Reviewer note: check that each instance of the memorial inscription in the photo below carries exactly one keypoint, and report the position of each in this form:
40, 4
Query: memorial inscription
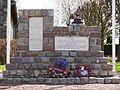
35, 33
72, 43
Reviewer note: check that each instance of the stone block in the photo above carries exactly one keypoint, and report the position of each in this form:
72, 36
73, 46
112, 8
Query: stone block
48, 80
45, 41
96, 72
8, 80
85, 60
84, 80
30, 73
111, 73
41, 66
32, 80
20, 12
73, 54
24, 60
50, 12
38, 13
23, 41
56, 81
40, 80
71, 28
97, 54
15, 59
64, 53
1, 80
93, 80
103, 73
92, 41
73, 66
37, 60
115, 80
95, 34
36, 73
13, 72
17, 54
11, 66
26, 12
23, 54
31, 60
25, 80
81, 53
100, 80
77, 80
98, 41
93, 28
97, 66
76, 28
20, 72
45, 59
104, 60
48, 47
6, 72
17, 81
27, 66
26, 27
107, 66
44, 12
23, 47
22, 34
48, 19
78, 59
70, 59
50, 54
20, 66
48, 27
22, 26
34, 66
57, 54
23, 19
32, 54
44, 72
70, 80
32, 13
107, 80
63, 81
42, 54
95, 48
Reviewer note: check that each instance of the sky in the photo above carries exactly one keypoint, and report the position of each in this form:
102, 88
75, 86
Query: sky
36, 4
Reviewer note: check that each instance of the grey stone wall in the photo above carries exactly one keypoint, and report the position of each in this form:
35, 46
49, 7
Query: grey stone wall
3, 15
30, 66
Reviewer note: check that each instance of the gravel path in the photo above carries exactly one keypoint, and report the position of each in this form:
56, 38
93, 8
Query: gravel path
62, 87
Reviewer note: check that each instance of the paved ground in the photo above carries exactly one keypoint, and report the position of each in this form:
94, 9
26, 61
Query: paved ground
62, 87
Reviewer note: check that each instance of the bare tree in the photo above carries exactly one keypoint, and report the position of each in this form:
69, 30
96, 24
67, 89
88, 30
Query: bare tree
97, 13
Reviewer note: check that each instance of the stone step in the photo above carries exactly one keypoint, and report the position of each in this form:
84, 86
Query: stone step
93, 60
94, 53
76, 80
45, 73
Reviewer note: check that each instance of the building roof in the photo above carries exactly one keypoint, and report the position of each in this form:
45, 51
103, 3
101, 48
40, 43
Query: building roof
14, 11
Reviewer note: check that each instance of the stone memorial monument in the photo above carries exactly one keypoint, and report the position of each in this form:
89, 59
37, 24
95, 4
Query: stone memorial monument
41, 44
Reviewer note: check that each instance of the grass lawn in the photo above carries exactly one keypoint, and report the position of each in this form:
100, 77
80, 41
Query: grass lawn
2, 67
117, 66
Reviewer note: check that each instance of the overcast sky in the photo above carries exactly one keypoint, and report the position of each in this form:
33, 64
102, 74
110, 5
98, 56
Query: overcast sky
36, 4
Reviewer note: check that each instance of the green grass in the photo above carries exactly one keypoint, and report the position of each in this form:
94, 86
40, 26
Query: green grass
117, 66
2, 67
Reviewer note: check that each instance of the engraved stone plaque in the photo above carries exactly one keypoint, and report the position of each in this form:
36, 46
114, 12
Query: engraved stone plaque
72, 43
35, 33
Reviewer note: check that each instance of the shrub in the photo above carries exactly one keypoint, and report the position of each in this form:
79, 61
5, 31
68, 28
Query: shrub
14, 48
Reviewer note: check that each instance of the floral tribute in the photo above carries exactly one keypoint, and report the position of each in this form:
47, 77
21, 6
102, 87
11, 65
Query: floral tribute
59, 69
84, 71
